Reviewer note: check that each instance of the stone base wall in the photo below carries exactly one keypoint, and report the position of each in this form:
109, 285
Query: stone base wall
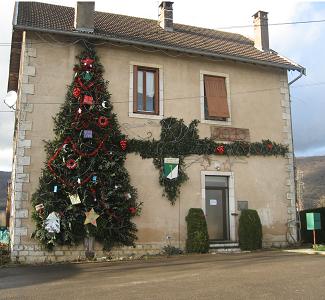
37, 254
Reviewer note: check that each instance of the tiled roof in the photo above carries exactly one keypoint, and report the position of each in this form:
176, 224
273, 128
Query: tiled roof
42, 16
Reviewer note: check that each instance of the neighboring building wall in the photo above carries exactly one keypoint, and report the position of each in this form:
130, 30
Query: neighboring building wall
259, 101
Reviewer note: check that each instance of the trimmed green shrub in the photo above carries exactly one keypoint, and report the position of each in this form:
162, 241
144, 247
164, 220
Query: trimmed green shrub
197, 232
307, 235
250, 230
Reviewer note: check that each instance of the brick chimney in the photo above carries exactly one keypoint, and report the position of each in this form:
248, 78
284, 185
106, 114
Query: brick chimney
165, 19
261, 31
84, 16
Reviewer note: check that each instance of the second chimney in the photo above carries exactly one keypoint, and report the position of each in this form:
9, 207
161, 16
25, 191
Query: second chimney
84, 16
261, 31
165, 20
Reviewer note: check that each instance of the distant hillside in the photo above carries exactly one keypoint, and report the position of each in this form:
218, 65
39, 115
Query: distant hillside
4, 177
313, 178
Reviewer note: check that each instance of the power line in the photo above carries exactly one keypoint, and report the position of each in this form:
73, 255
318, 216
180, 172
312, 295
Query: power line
276, 24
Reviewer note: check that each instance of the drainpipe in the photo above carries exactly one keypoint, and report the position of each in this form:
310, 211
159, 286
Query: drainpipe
302, 72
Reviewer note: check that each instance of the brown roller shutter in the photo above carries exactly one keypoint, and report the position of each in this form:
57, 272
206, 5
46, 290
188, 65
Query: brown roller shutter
216, 96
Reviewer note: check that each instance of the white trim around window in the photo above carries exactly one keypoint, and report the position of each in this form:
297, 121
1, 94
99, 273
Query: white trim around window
232, 202
161, 92
214, 122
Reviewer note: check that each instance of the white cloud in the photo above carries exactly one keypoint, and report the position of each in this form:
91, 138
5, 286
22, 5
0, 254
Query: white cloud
5, 159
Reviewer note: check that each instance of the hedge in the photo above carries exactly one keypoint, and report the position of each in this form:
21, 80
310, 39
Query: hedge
197, 232
250, 230
307, 235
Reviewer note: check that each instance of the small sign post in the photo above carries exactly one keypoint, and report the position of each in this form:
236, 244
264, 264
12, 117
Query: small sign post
313, 223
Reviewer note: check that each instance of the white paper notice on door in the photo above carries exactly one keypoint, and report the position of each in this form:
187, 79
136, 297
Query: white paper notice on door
213, 201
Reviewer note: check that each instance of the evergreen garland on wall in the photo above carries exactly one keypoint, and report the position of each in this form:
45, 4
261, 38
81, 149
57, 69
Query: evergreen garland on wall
179, 140
85, 189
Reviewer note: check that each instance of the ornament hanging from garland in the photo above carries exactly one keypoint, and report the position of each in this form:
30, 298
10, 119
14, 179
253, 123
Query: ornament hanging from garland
39, 208
87, 75
133, 210
88, 134
88, 100
91, 217
74, 199
76, 92
103, 122
71, 164
52, 223
87, 62
123, 144
220, 149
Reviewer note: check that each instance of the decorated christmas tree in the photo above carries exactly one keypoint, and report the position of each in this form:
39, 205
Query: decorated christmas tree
84, 189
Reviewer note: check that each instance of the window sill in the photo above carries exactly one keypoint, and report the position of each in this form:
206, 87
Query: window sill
146, 116
215, 122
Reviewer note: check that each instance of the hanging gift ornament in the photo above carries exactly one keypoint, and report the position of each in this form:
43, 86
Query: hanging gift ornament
123, 144
102, 122
91, 217
76, 92
74, 199
88, 100
71, 164
52, 223
220, 149
88, 134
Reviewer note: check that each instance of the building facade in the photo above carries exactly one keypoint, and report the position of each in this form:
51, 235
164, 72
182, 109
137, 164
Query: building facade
247, 81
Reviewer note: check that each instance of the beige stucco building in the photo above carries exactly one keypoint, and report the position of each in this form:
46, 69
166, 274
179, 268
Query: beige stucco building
257, 98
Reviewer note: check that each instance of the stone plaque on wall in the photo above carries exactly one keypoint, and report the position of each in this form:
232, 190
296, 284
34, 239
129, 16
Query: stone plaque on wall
230, 134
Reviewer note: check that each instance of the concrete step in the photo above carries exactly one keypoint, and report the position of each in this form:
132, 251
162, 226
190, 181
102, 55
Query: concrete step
223, 245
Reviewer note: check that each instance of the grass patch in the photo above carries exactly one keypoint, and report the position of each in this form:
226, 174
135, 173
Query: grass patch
319, 247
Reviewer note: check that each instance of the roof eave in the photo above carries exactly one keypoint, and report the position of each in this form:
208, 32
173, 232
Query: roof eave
290, 66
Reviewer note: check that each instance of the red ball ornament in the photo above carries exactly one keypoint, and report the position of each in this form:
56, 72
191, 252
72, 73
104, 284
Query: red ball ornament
71, 164
76, 92
220, 149
102, 121
123, 144
133, 210
270, 146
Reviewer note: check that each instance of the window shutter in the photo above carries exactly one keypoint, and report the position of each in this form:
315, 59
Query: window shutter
216, 96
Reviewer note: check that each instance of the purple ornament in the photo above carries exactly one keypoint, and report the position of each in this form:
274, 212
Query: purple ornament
88, 134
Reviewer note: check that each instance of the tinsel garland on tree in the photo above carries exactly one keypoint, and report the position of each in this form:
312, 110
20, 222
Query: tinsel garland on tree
179, 140
85, 190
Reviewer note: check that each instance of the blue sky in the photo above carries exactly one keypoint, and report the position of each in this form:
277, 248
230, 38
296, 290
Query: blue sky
303, 43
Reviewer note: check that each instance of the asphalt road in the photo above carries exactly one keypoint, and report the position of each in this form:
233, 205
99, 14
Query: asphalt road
263, 275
